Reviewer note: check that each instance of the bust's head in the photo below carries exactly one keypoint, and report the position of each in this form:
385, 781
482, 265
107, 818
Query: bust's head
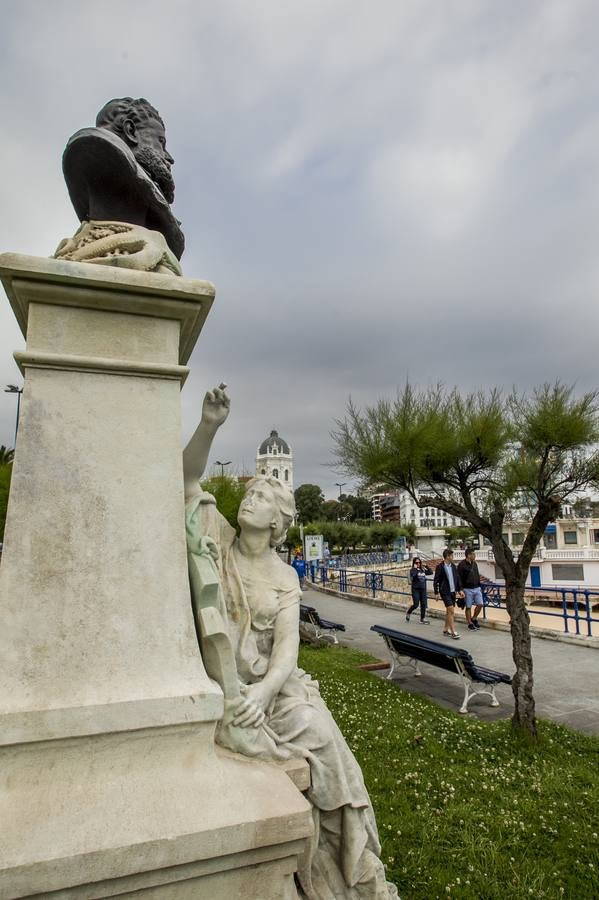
139, 125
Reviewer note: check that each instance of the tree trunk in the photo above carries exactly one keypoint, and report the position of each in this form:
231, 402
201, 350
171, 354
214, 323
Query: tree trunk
522, 684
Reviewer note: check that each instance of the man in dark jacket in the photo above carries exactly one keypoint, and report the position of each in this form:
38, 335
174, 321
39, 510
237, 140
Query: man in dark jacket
447, 583
470, 581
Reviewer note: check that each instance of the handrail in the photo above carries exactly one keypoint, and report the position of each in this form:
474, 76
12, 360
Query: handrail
580, 599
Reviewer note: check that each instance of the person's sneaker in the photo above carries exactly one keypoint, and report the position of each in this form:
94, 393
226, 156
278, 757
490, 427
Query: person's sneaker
425, 621
407, 618
471, 626
475, 623
455, 636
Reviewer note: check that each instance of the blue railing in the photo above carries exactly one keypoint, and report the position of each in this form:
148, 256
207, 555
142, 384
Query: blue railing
578, 608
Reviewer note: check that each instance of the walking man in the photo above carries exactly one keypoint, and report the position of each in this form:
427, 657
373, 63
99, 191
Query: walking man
470, 581
446, 583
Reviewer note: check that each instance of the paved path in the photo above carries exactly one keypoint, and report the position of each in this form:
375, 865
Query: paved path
566, 676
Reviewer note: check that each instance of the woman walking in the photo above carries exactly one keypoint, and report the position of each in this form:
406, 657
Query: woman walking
417, 577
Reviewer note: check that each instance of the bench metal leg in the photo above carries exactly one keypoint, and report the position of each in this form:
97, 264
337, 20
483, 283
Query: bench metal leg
327, 636
398, 660
473, 689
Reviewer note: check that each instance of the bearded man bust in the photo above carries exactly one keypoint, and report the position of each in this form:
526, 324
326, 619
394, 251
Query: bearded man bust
119, 179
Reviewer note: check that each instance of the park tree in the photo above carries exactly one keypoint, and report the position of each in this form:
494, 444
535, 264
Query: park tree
410, 531
5, 476
361, 508
6, 455
480, 457
335, 511
228, 493
308, 501
330, 510
458, 534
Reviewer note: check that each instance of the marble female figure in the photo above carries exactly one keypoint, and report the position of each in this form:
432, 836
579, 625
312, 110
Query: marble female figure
279, 707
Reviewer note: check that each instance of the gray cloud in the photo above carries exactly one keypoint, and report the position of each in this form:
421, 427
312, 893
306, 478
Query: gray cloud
378, 190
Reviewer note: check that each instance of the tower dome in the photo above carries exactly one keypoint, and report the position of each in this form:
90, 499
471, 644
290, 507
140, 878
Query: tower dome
273, 440
275, 459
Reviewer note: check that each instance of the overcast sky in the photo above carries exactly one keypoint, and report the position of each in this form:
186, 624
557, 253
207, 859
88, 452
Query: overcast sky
378, 190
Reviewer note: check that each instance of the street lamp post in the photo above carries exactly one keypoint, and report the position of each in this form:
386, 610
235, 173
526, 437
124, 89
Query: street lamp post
222, 466
13, 389
340, 485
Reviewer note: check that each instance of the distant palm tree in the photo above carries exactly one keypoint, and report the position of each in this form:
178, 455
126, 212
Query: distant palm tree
6, 455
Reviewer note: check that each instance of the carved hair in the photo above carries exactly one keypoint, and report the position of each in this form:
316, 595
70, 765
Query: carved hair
114, 113
285, 504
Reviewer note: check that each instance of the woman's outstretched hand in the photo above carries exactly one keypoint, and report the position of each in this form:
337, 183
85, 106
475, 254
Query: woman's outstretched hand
215, 407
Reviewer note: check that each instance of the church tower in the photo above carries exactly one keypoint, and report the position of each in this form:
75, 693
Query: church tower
275, 458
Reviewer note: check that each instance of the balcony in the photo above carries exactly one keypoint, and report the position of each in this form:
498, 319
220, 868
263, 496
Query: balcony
584, 553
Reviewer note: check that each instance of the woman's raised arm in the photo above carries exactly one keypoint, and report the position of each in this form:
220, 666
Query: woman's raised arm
215, 410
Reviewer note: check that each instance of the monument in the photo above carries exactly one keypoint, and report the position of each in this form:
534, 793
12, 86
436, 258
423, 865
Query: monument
111, 780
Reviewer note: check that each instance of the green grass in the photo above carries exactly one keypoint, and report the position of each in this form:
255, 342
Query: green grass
466, 809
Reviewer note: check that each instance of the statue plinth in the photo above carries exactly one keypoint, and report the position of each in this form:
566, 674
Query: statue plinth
107, 716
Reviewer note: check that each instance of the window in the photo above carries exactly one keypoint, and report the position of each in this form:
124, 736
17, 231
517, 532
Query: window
263, 472
517, 538
286, 474
274, 450
499, 576
486, 542
570, 537
561, 572
596, 535
275, 473
506, 537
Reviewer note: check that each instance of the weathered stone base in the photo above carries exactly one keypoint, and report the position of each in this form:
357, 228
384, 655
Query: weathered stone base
155, 811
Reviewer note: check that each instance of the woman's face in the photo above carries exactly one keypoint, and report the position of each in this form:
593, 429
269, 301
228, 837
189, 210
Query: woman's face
258, 509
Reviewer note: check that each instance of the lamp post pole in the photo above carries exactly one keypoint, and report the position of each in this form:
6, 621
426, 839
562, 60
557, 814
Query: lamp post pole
13, 389
340, 485
222, 466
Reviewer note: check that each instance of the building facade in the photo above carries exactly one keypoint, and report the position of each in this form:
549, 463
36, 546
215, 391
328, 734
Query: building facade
376, 501
568, 555
274, 458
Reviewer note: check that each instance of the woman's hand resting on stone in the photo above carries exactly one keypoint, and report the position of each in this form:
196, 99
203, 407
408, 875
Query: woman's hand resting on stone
249, 710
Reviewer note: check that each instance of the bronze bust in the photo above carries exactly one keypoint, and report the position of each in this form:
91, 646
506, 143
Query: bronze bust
119, 179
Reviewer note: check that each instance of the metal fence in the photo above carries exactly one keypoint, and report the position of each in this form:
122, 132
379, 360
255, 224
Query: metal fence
578, 608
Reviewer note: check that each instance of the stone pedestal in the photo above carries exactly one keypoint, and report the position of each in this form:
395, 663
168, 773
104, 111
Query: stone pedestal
109, 781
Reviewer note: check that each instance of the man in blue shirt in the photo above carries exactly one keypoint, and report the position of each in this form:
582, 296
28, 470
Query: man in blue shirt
447, 584
299, 564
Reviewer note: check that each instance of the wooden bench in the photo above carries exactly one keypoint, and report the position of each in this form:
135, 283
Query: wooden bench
477, 679
323, 629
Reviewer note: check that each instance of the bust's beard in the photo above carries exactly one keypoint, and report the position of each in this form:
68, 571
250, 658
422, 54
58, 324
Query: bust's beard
158, 170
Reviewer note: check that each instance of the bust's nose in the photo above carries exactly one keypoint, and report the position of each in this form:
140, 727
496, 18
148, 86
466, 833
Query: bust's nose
168, 157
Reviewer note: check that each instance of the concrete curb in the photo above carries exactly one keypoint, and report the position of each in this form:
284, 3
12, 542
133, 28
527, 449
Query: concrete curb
544, 633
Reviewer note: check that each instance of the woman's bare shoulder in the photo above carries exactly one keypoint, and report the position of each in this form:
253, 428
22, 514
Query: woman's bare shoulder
286, 575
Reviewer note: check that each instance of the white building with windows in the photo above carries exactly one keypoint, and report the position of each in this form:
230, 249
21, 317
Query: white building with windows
275, 459
568, 555
425, 517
